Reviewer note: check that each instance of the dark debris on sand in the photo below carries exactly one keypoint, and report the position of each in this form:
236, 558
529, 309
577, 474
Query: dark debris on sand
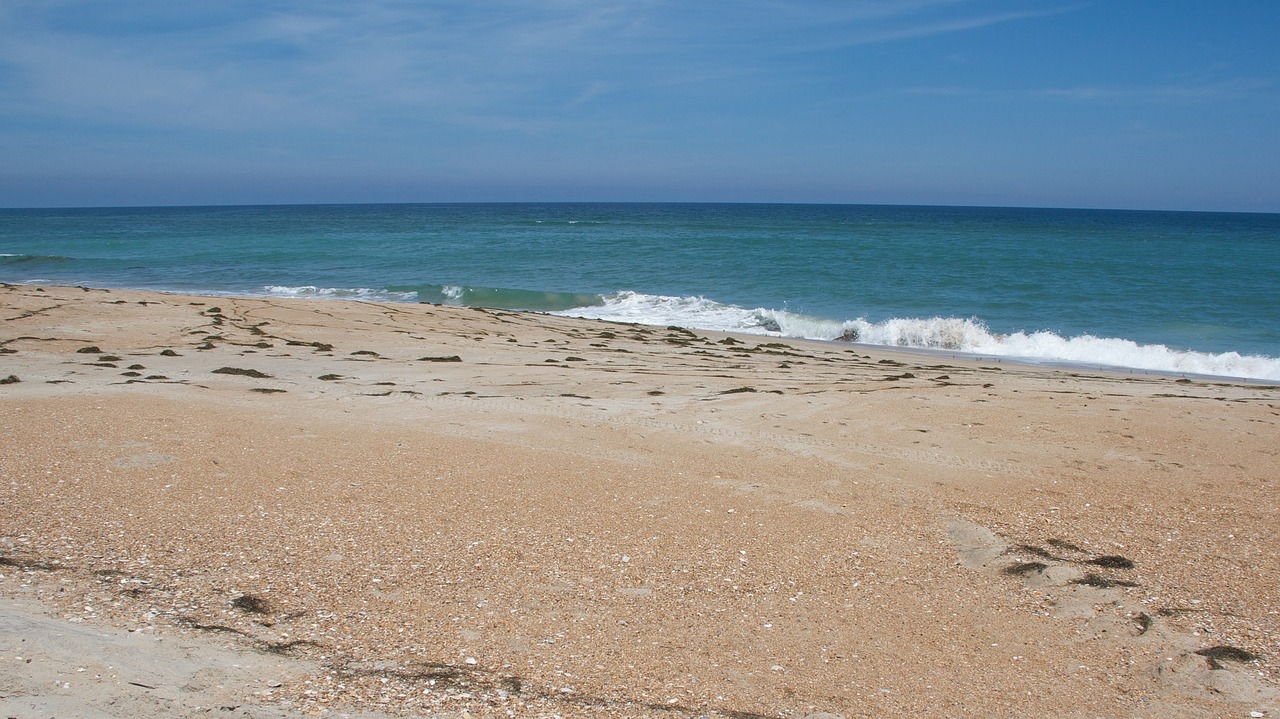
244, 372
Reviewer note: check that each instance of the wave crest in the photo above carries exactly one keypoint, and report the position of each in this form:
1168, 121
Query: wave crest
969, 336
340, 293
17, 259
947, 334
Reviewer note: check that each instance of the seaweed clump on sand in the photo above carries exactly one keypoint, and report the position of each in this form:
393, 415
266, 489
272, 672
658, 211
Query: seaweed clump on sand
317, 346
1034, 550
1022, 569
1144, 622
250, 603
245, 372
1101, 582
1113, 561
1215, 655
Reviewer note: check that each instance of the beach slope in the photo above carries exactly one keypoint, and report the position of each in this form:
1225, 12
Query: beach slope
414, 509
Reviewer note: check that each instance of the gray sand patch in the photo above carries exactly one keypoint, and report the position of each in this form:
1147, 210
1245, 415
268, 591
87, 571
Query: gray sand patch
976, 545
56, 668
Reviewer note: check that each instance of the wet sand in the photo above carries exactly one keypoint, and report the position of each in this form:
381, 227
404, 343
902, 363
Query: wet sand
488, 513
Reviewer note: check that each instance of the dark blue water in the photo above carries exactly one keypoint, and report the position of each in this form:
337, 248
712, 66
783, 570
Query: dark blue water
1182, 292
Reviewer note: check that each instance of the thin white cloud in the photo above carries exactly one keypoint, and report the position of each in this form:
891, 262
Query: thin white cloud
822, 26
332, 63
403, 84
594, 89
1234, 88
942, 27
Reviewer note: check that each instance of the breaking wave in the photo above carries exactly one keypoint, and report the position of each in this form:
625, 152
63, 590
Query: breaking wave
339, 293
944, 334
969, 336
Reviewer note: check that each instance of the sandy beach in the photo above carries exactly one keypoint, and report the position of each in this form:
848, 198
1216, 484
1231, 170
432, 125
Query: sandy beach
329, 508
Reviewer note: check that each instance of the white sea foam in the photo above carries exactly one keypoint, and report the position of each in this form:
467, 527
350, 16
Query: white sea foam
452, 293
342, 293
968, 336
696, 312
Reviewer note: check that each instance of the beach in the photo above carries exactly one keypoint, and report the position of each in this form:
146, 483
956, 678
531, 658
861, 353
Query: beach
415, 509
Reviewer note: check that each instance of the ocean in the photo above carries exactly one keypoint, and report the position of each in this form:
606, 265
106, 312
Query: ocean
1172, 292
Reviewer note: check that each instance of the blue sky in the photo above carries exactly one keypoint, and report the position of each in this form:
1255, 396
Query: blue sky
1071, 103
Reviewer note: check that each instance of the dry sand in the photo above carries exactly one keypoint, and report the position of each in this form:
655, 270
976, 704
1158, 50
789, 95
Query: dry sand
412, 509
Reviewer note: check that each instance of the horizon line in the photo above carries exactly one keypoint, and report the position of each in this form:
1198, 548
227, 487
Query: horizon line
180, 206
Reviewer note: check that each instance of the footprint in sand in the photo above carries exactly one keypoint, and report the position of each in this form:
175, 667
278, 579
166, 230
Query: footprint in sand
1076, 589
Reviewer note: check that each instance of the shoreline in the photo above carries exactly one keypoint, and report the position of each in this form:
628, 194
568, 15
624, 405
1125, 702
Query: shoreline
545, 515
958, 355
1062, 365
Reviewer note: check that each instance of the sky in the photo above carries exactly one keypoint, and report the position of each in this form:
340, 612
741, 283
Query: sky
1141, 104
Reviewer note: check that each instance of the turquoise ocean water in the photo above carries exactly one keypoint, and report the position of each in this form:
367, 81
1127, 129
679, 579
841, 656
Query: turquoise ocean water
1179, 292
